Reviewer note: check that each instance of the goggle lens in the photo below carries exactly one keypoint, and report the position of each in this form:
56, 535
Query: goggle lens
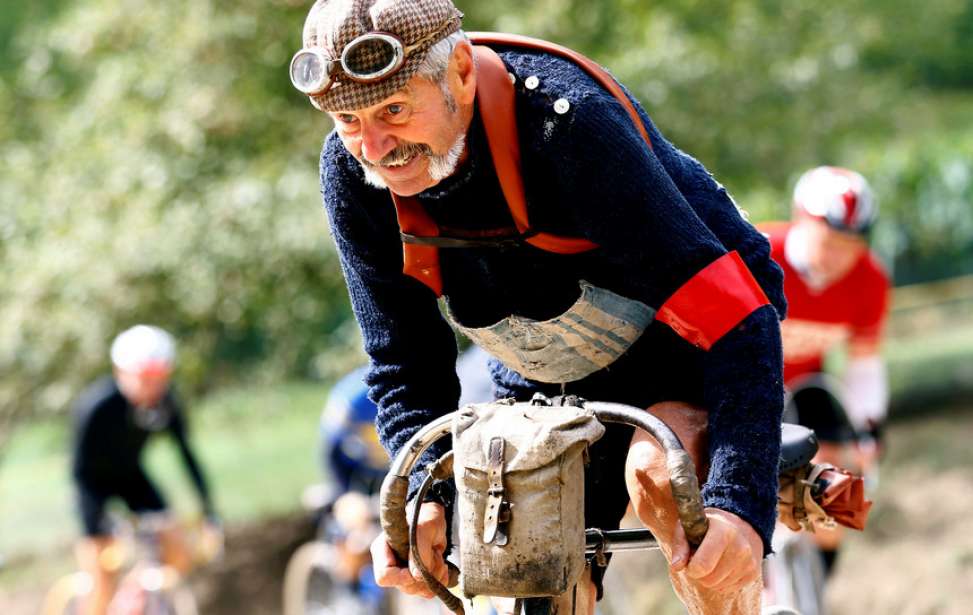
372, 57
310, 71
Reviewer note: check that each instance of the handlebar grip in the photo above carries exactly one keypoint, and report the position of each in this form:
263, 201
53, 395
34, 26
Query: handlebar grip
682, 470
689, 500
395, 492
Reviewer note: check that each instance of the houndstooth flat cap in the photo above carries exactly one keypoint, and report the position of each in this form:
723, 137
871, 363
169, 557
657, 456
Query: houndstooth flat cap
332, 24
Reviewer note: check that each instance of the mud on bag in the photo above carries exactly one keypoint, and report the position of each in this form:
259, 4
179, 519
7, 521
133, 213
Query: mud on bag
519, 471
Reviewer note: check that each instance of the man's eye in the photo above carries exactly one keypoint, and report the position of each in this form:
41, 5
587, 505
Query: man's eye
346, 118
395, 109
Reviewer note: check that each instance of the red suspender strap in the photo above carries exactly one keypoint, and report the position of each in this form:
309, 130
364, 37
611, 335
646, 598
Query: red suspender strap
418, 261
495, 94
713, 301
596, 72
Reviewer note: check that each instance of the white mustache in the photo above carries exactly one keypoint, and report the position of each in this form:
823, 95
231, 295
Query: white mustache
401, 155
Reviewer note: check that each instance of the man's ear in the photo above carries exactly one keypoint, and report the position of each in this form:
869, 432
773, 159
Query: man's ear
462, 73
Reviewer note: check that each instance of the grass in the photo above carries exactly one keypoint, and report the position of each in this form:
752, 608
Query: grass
258, 448
942, 360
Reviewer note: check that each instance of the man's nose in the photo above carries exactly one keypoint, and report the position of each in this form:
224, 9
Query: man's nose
376, 143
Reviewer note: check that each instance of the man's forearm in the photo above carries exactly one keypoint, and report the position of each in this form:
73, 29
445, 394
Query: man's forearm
744, 395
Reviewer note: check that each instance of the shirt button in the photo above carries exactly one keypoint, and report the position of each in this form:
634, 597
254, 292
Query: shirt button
532, 82
561, 106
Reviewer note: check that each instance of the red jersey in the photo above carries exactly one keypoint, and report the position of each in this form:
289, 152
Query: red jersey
851, 310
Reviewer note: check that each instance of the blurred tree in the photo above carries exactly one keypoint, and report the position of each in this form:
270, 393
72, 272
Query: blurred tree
762, 90
159, 167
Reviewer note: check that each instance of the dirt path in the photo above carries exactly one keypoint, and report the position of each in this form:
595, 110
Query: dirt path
246, 582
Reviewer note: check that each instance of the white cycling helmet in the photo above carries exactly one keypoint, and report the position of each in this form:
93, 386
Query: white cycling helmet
839, 196
143, 348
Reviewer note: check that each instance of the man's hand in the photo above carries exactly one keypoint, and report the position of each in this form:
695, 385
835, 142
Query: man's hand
729, 557
431, 538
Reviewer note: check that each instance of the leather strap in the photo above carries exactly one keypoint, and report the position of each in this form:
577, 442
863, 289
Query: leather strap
418, 261
497, 111
494, 500
591, 67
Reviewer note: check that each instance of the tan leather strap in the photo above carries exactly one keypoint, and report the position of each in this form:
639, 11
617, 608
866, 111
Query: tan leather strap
418, 261
494, 499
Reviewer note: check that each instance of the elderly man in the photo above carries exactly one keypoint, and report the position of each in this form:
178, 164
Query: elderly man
570, 240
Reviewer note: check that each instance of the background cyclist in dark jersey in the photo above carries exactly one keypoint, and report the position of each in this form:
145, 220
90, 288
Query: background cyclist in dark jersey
114, 418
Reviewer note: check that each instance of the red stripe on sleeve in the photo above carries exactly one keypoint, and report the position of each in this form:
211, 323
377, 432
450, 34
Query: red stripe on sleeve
713, 301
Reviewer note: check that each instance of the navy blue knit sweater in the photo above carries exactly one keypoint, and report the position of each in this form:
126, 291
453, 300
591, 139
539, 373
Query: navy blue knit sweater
658, 218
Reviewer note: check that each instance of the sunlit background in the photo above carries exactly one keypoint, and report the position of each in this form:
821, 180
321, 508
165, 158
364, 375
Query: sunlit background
156, 166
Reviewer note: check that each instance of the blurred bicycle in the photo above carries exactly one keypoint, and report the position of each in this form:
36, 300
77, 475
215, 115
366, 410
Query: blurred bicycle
153, 555
796, 574
333, 573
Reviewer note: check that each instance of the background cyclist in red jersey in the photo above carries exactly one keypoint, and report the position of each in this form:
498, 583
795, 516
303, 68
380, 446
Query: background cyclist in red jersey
838, 295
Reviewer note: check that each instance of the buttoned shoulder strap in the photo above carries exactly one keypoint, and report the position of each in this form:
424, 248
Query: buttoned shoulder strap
591, 67
495, 93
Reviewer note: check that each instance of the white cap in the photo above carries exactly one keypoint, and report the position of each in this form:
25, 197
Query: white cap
143, 347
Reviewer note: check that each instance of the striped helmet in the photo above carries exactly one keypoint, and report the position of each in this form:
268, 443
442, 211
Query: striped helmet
839, 196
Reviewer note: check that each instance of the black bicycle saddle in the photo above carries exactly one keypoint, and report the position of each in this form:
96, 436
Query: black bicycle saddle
798, 444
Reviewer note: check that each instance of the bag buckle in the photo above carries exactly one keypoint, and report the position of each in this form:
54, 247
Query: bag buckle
498, 510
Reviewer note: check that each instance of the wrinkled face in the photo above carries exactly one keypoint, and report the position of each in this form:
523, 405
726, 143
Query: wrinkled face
414, 138
142, 389
830, 253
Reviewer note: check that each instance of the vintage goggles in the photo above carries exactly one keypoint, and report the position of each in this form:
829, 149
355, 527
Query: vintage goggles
369, 58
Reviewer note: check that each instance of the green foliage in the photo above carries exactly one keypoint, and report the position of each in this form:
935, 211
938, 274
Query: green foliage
931, 45
761, 91
160, 168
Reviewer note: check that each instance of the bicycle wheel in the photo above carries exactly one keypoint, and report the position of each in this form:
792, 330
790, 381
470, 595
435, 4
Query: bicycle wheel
794, 575
178, 601
311, 589
65, 596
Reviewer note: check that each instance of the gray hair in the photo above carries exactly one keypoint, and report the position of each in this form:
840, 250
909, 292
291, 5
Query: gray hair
436, 62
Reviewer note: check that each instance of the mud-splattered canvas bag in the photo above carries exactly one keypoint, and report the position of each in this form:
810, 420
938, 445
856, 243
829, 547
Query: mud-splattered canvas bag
519, 472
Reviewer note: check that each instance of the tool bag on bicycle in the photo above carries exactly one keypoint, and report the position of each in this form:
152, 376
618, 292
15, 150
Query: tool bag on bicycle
519, 472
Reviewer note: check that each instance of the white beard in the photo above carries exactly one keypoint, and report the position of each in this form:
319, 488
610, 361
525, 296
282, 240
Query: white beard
441, 166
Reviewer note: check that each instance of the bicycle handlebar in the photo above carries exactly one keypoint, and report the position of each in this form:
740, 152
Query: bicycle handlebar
395, 486
682, 473
614, 541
